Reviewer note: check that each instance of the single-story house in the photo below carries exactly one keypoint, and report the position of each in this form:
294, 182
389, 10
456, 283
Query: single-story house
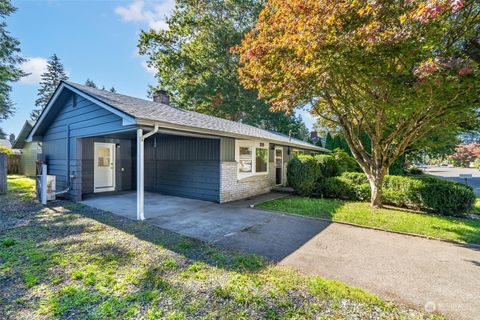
97, 141
5, 143
28, 150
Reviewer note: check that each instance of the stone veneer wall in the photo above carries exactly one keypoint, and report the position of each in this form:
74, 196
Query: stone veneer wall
233, 189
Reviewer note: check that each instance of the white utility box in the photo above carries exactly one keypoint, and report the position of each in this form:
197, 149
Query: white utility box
51, 187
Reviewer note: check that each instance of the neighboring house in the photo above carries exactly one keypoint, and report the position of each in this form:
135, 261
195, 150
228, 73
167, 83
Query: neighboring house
5, 143
96, 141
29, 150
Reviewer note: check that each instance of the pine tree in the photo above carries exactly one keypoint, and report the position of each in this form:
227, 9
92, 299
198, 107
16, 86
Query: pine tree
11, 138
3, 135
112, 89
90, 83
329, 142
50, 81
9, 61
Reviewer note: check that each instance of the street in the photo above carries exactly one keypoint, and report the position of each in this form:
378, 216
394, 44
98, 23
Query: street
454, 175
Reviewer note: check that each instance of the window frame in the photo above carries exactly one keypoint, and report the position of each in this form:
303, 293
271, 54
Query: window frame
297, 152
254, 145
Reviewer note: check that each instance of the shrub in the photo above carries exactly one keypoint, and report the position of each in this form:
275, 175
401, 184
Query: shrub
342, 187
345, 162
328, 165
449, 198
422, 192
6, 150
413, 170
302, 174
476, 163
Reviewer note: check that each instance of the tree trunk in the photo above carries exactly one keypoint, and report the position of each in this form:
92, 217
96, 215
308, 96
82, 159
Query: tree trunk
376, 186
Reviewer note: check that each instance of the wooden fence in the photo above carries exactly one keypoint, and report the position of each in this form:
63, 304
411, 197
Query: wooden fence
14, 164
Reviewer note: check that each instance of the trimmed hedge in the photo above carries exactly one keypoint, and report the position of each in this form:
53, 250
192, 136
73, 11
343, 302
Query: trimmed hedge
345, 162
422, 193
302, 174
328, 165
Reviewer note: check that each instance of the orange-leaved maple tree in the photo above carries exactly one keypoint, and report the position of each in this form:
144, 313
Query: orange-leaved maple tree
393, 70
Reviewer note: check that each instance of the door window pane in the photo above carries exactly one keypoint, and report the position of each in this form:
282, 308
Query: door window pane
278, 158
261, 160
103, 154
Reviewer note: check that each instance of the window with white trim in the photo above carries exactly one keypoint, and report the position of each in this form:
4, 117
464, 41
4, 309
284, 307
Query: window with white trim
251, 157
296, 152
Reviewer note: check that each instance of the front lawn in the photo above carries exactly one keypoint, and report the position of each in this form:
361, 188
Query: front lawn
448, 228
69, 261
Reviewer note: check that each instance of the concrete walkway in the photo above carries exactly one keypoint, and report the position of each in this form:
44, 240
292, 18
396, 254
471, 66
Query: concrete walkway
427, 274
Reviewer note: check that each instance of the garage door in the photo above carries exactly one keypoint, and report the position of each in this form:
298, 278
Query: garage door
183, 166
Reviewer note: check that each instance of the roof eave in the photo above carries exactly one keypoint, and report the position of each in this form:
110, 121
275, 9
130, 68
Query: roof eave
127, 119
167, 125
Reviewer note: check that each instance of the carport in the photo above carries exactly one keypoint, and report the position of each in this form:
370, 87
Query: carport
157, 161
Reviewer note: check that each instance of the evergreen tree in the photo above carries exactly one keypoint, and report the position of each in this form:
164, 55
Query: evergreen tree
9, 61
50, 81
90, 83
329, 142
11, 138
193, 61
112, 89
3, 135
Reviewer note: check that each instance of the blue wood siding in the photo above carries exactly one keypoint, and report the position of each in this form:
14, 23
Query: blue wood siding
183, 166
64, 133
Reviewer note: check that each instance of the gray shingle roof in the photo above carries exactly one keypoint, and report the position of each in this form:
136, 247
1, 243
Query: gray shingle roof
23, 134
153, 111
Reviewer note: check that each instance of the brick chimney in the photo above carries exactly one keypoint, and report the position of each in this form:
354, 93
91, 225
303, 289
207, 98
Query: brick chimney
161, 96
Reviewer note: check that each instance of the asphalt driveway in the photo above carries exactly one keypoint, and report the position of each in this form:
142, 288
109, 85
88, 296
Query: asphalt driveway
427, 274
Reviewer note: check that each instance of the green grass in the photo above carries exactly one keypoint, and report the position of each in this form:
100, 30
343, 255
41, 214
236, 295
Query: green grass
447, 228
22, 186
72, 261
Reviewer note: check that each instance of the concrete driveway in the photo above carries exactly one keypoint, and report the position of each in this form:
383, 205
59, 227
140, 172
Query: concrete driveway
198, 219
427, 274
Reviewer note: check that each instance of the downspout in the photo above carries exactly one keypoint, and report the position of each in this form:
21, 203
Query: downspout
140, 170
151, 133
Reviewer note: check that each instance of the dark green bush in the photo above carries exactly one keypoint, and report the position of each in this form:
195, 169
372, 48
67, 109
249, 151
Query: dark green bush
328, 165
449, 198
302, 174
415, 171
423, 192
345, 162
342, 187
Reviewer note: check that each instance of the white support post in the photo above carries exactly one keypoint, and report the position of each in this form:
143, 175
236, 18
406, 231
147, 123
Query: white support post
140, 175
44, 189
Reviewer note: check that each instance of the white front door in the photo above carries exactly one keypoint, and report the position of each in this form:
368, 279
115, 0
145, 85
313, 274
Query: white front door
104, 167
279, 166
